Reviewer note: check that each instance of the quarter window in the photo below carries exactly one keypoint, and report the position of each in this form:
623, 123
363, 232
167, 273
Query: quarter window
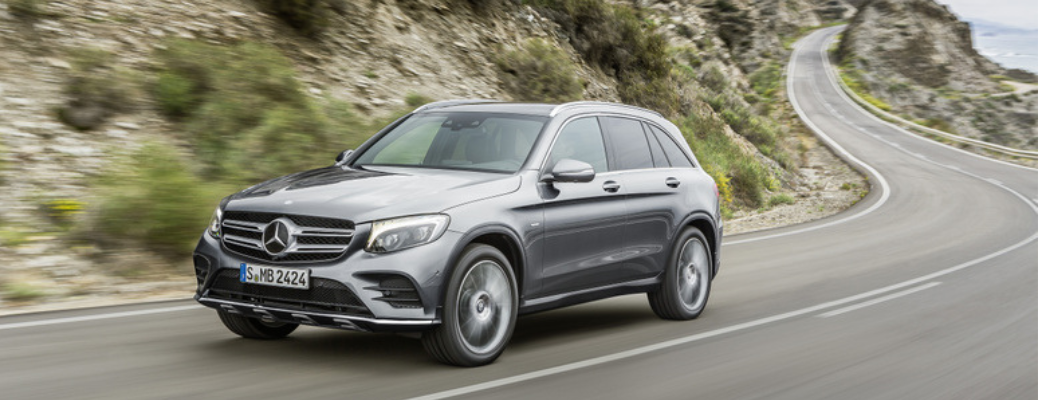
674, 154
581, 140
629, 145
658, 158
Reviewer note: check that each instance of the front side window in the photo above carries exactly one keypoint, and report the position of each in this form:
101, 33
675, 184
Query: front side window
475, 141
581, 140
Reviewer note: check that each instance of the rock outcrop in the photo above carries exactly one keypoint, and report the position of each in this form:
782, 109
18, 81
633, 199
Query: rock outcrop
919, 57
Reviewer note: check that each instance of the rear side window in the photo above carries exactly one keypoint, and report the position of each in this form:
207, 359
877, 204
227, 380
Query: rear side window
628, 143
674, 154
581, 140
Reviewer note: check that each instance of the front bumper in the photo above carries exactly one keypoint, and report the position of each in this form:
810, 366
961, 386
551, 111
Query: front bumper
347, 293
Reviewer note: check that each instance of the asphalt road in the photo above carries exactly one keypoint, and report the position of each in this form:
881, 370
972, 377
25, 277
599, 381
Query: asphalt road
928, 288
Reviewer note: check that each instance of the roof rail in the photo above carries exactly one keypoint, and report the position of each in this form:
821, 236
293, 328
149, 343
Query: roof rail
564, 106
447, 103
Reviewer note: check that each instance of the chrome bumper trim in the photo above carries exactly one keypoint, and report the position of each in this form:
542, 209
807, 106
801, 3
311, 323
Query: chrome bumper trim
346, 321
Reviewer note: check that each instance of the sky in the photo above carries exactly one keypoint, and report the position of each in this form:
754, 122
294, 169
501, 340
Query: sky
1016, 13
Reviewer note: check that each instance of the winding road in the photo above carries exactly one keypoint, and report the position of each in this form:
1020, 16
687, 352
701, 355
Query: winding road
926, 289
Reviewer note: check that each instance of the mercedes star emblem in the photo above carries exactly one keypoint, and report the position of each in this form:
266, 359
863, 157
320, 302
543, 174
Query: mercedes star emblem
276, 237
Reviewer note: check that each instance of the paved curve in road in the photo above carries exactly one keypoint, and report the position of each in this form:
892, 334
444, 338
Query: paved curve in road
928, 288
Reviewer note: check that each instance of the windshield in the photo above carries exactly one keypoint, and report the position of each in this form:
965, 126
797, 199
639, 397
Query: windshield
476, 141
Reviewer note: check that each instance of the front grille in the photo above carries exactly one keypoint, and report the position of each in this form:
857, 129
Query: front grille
323, 295
398, 291
316, 239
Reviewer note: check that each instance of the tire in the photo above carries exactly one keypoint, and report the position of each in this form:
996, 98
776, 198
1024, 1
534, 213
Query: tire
479, 310
254, 328
687, 279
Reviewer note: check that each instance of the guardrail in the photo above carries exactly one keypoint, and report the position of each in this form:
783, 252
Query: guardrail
912, 125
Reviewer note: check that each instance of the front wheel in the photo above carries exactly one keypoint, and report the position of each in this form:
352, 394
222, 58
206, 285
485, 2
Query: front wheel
479, 310
686, 281
255, 328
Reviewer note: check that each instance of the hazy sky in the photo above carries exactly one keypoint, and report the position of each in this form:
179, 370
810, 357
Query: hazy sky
1018, 13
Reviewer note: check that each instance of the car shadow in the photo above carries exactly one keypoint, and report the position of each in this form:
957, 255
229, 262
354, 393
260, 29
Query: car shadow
331, 348
570, 324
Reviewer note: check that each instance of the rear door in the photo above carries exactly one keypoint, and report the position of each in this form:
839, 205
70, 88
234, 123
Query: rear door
654, 195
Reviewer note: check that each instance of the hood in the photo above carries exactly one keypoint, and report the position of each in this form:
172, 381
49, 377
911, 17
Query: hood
371, 194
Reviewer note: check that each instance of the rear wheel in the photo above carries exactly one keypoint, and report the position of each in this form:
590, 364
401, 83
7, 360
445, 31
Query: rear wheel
686, 282
255, 328
479, 311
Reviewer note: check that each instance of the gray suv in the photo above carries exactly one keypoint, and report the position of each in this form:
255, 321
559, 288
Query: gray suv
462, 215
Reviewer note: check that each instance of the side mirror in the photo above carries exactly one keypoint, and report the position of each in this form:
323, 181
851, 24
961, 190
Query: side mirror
342, 156
569, 170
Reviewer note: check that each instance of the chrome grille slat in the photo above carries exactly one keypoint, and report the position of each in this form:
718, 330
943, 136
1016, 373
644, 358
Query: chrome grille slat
319, 249
243, 225
326, 232
243, 241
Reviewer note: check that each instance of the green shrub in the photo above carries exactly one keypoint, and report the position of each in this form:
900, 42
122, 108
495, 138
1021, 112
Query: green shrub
725, 161
95, 90
151, 198
416, 100
780, 199
177, 94
26, 8
20, 291
734, 25
714, 79
853, 78
308, 17
240, 104
766, 80
749, 180
540, 72
619, 41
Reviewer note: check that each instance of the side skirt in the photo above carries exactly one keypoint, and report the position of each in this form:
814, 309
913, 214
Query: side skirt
529, 306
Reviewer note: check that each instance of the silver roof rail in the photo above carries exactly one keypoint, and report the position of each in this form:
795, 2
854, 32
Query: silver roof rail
447, 103
564, 106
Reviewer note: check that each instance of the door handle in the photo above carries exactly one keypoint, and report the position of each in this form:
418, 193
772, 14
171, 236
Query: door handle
611, 186
673, 182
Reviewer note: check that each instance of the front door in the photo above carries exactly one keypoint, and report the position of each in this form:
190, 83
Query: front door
583, 222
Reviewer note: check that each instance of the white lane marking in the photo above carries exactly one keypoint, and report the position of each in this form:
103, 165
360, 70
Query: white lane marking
995, 181
56, 321
878, 300
880, 180
746, 325
716, 332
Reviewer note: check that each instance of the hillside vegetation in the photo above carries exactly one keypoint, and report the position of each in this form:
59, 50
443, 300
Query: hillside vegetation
129, 132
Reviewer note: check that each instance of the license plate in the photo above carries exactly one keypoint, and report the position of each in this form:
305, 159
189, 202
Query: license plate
275, 276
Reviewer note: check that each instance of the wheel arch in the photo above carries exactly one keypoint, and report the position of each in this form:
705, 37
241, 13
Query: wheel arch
497, 236
705, 224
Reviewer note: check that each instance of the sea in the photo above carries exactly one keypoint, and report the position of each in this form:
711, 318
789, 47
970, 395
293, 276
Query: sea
1018, 49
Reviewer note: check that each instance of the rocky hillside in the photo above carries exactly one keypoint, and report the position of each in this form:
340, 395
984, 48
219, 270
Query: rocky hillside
122, 122
918, 58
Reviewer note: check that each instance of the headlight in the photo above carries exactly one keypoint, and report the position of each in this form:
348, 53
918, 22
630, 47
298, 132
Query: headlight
214, 223
401, 233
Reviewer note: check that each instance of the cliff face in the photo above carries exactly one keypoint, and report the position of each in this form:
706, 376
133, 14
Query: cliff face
920, 41
918, 56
